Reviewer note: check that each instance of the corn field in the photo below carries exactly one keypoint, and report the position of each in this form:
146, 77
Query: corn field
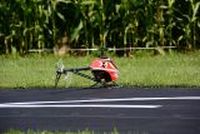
38, 24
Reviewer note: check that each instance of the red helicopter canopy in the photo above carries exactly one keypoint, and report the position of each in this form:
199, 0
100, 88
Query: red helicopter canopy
107, 65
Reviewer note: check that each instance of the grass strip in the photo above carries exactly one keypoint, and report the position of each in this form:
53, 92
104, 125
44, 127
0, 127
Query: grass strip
86, 131
174, 69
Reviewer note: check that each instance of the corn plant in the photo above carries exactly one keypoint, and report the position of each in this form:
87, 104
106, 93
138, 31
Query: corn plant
98, 23
190, 34
171, 24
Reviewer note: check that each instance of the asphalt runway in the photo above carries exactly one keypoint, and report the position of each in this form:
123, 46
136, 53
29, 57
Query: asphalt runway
129, 110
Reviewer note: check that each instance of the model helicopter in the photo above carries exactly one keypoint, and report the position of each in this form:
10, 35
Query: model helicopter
104, 71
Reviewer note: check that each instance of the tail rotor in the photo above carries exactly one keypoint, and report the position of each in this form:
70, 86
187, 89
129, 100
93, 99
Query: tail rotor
59, 71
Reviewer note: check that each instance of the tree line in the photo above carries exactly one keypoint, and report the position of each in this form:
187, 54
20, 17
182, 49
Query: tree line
38, 24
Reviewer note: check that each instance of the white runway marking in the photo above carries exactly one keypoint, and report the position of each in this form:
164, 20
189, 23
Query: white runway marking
107, 100
72, 103
79, 106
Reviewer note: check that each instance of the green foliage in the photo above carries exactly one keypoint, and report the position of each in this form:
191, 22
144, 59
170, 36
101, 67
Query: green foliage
40, 24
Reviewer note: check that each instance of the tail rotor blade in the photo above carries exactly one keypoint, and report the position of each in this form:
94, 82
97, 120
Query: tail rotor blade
59, 71
58, 75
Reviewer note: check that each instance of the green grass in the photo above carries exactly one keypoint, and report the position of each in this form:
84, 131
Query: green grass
86, 131
174, 69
